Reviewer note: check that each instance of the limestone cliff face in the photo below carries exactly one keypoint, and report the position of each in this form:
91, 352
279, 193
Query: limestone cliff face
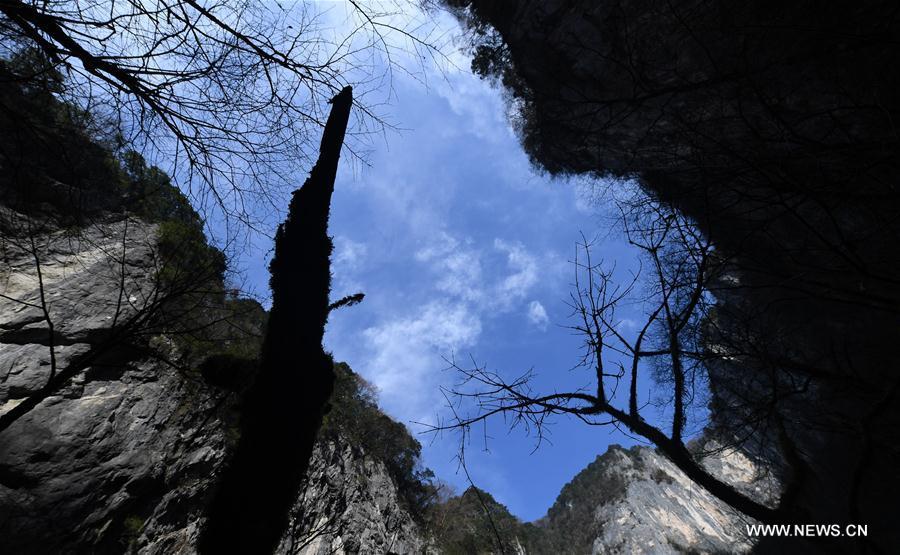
628, 501
123, 456
349, 504
650, 506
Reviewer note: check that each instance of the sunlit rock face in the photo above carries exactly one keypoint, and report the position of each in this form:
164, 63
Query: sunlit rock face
636, 501
664, 512
82, 271
349, 504
628, 501
119, 457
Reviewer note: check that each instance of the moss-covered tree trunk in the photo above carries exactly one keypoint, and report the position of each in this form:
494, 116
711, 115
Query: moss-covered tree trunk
284, 408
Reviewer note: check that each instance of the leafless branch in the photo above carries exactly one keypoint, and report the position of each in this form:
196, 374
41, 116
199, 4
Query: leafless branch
675, 304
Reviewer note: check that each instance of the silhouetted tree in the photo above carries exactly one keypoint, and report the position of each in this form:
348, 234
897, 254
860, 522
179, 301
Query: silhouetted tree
667, 346
231, 93
284, 407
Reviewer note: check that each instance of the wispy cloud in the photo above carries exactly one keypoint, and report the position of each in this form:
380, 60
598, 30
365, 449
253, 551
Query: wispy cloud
515, 286
347, 263
349, 255
537, 315
405, 354
456, 266
469, 286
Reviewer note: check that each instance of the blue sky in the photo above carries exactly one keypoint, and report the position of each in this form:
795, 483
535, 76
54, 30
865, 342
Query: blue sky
462, 249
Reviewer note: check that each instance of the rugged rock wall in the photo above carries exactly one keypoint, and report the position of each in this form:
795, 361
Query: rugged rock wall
119, 456
124, 456
631, 501
644, 504
349, 504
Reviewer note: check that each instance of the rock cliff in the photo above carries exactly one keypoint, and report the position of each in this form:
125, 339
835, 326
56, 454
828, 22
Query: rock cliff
637, 501
123, 456
349, 504
632, 501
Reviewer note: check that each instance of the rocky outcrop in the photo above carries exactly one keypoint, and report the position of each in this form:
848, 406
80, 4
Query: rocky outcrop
349, 504
124, 455
120, 456
628, 501
657, 509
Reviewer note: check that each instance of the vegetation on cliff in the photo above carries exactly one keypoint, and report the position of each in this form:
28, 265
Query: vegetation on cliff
476, 523
355, 419
63, 169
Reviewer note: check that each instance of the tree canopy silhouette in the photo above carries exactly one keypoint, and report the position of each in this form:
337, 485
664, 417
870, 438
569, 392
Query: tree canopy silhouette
231, 93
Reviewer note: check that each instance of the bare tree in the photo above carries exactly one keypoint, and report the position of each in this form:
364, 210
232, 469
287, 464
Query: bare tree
232, 93
680, 268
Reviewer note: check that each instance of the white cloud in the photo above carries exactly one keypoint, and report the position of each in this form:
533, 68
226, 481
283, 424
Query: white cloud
404, 351
537, 315
474, 275
405, 355
462, 276
480, 106
348, 260
348, 254
440, 245
457, 266
516, 285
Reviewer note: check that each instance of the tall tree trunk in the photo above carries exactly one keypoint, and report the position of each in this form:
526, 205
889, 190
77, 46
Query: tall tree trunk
284, 408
